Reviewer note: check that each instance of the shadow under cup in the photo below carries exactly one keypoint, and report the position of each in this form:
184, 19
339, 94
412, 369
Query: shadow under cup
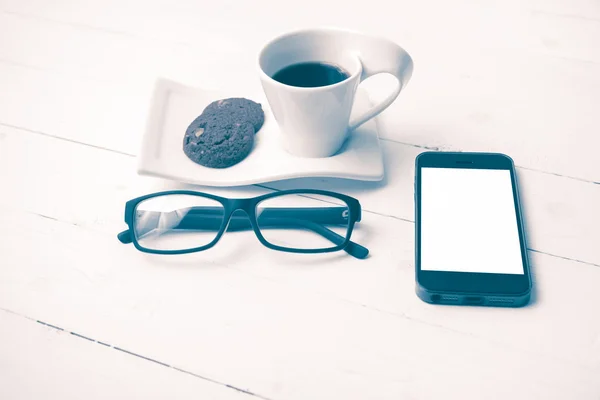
313, 120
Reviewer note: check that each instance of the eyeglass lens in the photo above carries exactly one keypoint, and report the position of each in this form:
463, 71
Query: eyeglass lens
177, 222
301, 222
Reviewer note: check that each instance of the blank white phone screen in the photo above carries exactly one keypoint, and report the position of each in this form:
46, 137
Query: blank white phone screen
468, 221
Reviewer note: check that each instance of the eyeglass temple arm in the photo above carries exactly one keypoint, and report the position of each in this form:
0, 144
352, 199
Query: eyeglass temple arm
310, 218
321, 215
352, 248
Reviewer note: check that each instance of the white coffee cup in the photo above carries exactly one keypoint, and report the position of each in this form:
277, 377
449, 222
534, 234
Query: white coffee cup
315, 121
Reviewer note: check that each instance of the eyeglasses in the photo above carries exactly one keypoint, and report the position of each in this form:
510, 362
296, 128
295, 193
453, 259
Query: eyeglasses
296, 221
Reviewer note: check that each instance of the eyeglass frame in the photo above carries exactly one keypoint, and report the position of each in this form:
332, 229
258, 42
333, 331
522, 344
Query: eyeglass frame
249, 206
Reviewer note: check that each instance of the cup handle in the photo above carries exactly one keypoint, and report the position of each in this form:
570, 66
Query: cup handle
382, 56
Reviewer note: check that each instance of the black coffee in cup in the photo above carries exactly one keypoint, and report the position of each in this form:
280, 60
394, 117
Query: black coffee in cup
311, 74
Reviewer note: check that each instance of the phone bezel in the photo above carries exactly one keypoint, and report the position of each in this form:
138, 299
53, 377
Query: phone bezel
470, 282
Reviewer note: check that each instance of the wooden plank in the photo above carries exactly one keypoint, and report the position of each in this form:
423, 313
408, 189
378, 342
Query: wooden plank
493, 96
556, 223
100, 114
164, 21
40, 361
128, 60
293, 327
280, 325
70, 213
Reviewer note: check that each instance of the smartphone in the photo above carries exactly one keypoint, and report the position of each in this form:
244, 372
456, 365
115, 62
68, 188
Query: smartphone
469, 237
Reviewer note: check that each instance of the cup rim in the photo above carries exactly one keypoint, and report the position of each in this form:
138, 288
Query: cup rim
298, 32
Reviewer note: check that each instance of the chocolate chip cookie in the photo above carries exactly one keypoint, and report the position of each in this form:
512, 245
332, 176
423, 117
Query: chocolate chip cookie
218, 144
234, 110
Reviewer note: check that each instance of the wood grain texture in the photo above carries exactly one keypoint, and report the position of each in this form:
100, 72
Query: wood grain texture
519, 77
272, 325
261, 319
41, 361
555, 223
531, 86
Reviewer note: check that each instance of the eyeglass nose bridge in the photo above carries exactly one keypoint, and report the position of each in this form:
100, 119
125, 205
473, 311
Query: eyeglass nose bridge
245, 205
234, 209
240, 204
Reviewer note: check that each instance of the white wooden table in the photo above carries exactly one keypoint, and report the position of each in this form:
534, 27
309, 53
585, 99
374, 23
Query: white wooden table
83, 316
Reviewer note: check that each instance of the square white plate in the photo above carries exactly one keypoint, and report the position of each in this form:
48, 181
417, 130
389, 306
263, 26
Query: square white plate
174, 106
